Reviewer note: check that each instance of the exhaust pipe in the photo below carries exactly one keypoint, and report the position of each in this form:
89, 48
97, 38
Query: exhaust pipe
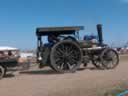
100, 36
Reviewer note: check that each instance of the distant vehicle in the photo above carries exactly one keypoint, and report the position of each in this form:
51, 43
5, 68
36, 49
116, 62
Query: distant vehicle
8, 58
64, 52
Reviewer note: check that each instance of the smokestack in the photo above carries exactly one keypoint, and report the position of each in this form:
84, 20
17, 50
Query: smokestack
99, 30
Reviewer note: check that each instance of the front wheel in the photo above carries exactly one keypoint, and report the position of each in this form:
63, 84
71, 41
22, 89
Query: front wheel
97, 64
2, 71
109, 58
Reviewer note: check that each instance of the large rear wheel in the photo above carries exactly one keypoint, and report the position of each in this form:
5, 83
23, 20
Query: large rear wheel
66, 56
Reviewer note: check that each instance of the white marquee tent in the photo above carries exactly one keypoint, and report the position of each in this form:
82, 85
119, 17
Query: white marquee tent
6, 48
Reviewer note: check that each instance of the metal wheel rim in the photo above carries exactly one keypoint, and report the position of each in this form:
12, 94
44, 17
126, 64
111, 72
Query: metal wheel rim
98, 64
67, 57
110, 59
1, 72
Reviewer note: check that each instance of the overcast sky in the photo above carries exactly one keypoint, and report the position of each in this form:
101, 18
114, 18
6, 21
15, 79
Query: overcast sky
19, 19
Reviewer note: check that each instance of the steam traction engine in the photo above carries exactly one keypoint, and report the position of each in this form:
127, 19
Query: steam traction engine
64, 52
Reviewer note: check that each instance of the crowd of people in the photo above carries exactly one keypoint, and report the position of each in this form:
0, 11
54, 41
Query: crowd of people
5, 56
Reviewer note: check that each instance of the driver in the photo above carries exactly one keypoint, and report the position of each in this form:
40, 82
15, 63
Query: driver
52, 39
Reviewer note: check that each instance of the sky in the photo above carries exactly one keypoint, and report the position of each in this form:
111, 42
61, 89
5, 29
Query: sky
20, 18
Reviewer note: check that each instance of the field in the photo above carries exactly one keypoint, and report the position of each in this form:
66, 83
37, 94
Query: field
45, 82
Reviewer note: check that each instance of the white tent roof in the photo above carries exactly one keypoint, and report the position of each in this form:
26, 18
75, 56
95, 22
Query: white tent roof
6, 48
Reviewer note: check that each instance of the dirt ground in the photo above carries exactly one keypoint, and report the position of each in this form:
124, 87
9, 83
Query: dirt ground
45, 82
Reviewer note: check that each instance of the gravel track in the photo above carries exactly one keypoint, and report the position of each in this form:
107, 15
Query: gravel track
45, 82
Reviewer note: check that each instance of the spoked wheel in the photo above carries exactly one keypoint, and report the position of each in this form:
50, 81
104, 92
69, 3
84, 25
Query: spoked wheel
109, 58
97, 62
2, 72
66, 56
